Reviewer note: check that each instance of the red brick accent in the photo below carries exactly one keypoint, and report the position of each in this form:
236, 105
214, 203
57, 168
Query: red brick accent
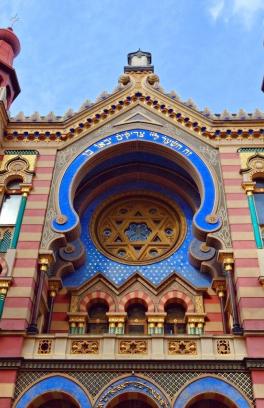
137, 294
97, 295
178, 296
10, 346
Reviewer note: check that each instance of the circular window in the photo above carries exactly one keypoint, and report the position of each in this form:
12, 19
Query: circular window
138, 228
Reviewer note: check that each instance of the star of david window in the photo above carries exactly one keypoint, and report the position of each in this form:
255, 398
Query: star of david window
138, 228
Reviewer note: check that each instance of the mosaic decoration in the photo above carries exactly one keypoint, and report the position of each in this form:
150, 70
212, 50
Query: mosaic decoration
211, 385
117, 272
203, 218
137, 228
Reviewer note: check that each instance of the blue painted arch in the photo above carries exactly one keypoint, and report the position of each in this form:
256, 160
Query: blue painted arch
134, 385
210, 385
200, 168
56, 383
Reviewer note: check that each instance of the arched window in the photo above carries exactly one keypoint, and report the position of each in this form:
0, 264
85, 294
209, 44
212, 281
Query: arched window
175, 319
97, 318
259, 203
136, 318
9, 212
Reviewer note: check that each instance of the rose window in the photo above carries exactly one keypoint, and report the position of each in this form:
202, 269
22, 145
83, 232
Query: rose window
138, 228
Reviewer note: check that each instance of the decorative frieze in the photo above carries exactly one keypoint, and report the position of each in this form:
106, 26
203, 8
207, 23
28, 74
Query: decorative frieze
133, 347
44, 346
182, 347
223, 346
85, 347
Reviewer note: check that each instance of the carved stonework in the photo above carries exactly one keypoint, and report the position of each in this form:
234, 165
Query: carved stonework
199, 305
223, 346
85, 347
44, 346
182, 347
133, 347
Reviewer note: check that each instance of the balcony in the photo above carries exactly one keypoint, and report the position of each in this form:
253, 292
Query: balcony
181, 347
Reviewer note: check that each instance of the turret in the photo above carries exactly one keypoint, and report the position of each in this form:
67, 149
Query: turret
9, 49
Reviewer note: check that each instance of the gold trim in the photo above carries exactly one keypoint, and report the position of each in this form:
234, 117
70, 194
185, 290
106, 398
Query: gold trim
136, 207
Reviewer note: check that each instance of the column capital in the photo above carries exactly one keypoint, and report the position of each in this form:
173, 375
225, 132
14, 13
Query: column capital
5, 282
55, 284
45, 259
219, 286
195, 317
25, 189
116, 317
157, 317
226, 257
249, 186
77, 317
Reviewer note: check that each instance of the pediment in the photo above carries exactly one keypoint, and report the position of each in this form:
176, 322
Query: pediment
137, 118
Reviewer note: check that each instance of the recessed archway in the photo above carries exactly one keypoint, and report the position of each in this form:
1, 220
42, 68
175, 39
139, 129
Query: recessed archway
188, 158
132, 400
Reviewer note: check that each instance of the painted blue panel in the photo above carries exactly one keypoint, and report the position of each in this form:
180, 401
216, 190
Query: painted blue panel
210, 385
195, 161
51, 384
118, 272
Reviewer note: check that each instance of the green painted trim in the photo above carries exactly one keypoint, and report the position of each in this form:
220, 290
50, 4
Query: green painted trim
18, 222
2, 302
254, 219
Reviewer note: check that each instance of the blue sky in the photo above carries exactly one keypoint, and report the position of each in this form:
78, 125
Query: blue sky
72, 50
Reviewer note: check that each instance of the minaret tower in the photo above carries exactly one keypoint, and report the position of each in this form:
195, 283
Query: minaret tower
9, 49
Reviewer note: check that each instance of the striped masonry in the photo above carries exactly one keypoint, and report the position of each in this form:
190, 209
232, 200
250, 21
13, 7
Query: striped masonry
19, 298
213, 322
250, 294
7, 386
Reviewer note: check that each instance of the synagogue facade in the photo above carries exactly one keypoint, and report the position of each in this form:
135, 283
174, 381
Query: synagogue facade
131, 250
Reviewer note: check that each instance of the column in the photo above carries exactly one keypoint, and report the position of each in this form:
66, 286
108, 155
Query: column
219, 285
55, 285
156, 323
195, 323
116, 322
77, 322
43, 262
249, 189
227, 260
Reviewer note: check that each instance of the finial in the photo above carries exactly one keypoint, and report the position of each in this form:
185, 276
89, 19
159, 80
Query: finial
14, 20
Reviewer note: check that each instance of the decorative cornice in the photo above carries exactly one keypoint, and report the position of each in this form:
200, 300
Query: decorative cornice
135, 365
186, 116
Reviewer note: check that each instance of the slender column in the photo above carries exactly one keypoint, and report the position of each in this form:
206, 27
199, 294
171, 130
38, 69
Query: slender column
25, 192
4, 285
220, 287
156, 322
228, 263
54, 286
44, 262
249, 189
116, 321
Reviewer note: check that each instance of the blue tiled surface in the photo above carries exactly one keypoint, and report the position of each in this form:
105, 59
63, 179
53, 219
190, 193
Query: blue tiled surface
55, 383
119, 273
210, 385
